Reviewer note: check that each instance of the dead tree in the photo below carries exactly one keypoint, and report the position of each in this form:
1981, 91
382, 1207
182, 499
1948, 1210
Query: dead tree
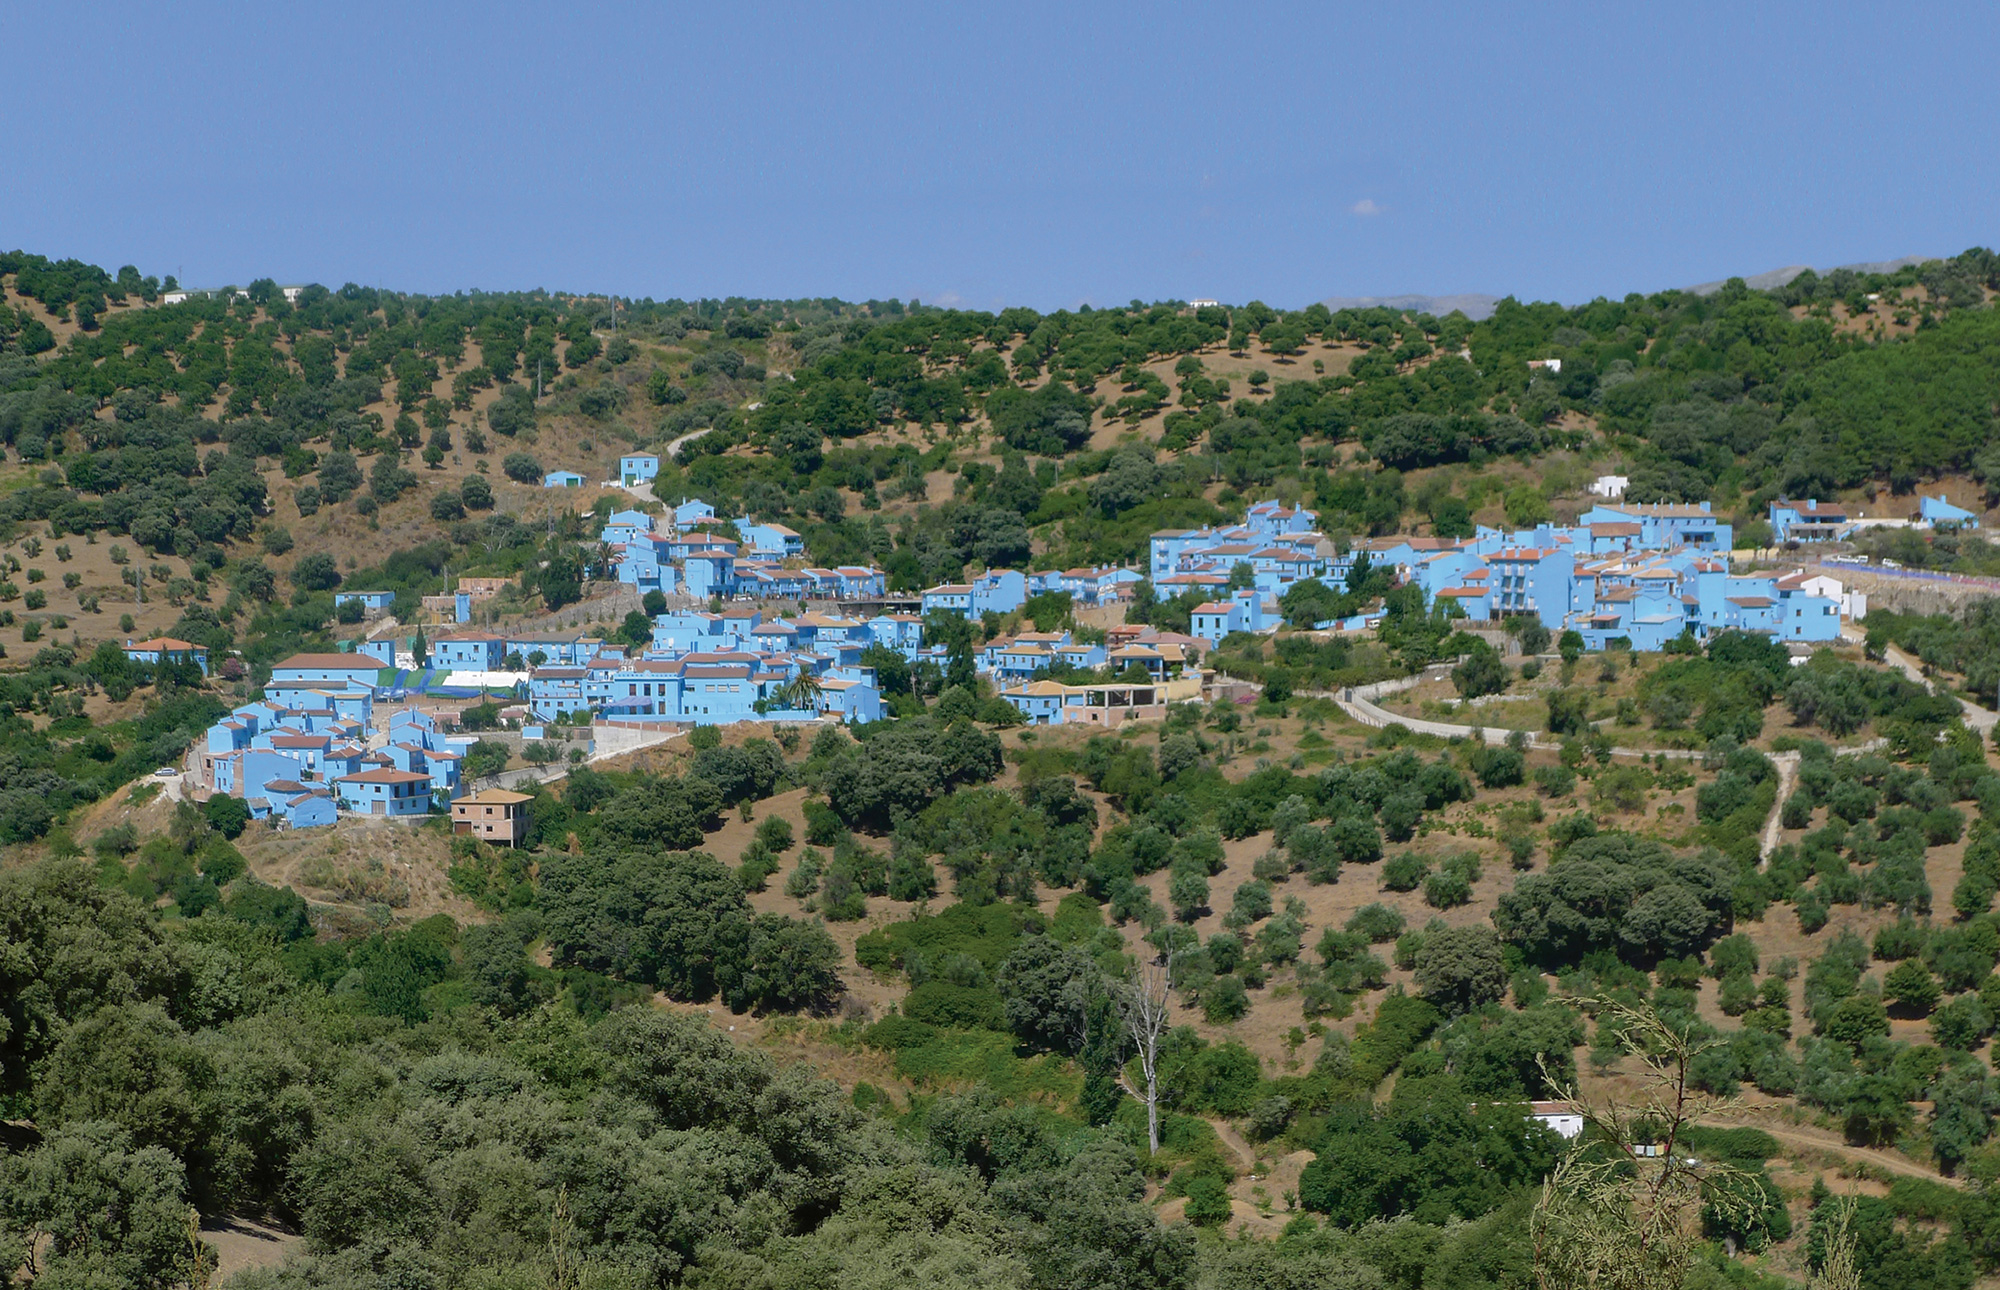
1145, 1008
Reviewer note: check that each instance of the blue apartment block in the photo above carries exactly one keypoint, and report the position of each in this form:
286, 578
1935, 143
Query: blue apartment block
1666, 524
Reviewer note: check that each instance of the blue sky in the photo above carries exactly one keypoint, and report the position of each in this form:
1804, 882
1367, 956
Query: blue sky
988, 155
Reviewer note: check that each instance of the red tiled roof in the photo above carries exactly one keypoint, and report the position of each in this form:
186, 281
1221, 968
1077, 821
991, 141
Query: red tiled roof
323, 661
383, 777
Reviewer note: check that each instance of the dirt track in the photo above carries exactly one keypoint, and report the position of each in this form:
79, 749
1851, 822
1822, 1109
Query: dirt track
1825, 1140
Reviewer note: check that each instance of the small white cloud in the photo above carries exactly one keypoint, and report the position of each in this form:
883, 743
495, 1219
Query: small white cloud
1366, 206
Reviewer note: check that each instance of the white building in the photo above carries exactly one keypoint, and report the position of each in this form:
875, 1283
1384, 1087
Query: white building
1853, 604
1609, 487
1560, 1116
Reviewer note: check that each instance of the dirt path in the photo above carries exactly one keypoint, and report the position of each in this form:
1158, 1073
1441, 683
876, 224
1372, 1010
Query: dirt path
1788, 778
674, 449
1246, 1155
1825, 1140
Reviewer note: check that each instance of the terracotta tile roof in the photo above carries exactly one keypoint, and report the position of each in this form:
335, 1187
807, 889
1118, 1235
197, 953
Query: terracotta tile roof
380, 776
325, 661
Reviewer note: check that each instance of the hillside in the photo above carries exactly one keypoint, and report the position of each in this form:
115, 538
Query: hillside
778, 1005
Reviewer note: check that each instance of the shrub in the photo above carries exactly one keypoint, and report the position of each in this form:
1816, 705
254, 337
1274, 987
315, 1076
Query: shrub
1377, 922
1225, 1000
1405, 872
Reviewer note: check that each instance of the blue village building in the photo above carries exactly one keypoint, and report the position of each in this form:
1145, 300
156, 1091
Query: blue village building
773, 540
1936, 511
371, 601
1809, 521
560, 479
999, 591
473, 651
166, 649
318, 669
1248, 610
1665, 524
638, 468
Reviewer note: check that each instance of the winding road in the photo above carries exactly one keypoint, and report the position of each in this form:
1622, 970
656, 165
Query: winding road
674, 448
1981, 719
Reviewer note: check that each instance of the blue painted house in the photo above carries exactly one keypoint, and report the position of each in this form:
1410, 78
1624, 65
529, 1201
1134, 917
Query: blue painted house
1936, 511
1809, 521
850, 698
692, 510
165, 649
386, 792
627, 526
324, 669
558, 649
372, 601
1666, 524
469, 652
774, 540
637, 468
562, 479
710, 571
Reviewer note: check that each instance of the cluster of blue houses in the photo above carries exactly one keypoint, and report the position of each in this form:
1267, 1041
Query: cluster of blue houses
1638, 574
1002, 591
1631, 573
1815, 521
693, 553
308, 750
706, 668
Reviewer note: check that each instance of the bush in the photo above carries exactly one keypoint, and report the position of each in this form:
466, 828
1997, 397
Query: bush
823, 824
1225, 1000
1555, 781
1378, 923
522, 468
1405, 872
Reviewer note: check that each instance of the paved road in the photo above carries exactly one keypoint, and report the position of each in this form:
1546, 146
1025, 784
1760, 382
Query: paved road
1359, 702
1981, 719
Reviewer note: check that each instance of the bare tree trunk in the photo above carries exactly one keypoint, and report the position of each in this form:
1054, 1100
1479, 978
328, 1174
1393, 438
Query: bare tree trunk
1145, 1014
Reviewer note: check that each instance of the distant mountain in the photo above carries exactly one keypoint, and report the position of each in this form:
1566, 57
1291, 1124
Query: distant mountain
1774, 278
1476, 307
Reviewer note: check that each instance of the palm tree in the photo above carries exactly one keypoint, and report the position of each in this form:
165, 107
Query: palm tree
802, 691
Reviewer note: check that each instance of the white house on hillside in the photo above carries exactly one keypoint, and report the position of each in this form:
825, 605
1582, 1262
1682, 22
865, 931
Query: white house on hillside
1853, 604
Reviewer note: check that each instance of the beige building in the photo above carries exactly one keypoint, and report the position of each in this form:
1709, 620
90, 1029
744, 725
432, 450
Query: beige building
492, 815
